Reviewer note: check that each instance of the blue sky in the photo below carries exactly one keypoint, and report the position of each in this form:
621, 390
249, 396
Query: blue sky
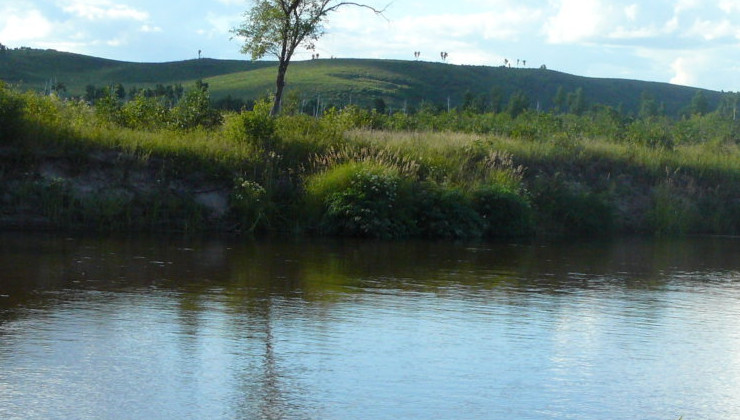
686, 42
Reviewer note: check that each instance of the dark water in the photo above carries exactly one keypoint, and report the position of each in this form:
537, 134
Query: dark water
157, 328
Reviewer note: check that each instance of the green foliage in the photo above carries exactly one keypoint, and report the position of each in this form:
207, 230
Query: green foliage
11, 115
699, 103
504, 213
143, 113
255, 127
571, 209
673, 212
152, 112
518, 103
359, 199
445, 212
355, 172
653, 133
338, 81
249, 202
195, 110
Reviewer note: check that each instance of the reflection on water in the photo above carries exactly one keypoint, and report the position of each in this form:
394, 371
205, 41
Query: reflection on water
117, 328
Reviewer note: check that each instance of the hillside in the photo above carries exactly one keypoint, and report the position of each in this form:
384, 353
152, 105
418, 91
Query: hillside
341, 81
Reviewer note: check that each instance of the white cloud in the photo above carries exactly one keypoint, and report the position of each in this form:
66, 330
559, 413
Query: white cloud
685, 5
577, 20
103, 9
149, 28
622, 33
19, 26
729, 6
631, 12
117, 42
461, 34
684, 71
709, 30
672, 25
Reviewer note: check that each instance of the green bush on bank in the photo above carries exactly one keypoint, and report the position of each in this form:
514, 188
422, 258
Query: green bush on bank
11, 115
354, 172
359, 199
366, 199
504, 214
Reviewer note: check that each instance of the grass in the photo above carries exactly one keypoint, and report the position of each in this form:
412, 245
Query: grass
337, 175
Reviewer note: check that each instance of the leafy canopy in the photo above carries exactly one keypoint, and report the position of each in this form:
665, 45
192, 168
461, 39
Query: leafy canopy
278, 27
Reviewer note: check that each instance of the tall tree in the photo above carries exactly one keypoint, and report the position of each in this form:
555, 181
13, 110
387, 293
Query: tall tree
279, 27
699, 103
576, 102
560, 100
518, 103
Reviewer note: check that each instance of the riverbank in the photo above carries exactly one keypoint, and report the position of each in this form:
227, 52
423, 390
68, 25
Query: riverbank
68, 165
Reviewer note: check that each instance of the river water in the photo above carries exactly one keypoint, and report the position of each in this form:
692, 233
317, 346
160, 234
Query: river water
173, 328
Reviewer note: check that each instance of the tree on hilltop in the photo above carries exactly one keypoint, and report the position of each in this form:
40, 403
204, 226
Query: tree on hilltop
279, 27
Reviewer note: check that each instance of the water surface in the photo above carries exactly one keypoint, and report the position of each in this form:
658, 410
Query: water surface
172, 328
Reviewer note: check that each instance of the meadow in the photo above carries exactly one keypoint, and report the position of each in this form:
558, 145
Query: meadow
438, 174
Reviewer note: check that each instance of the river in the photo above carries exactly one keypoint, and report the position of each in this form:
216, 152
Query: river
176, 328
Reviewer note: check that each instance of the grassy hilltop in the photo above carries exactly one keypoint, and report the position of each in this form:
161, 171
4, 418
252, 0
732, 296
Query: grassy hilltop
339, 82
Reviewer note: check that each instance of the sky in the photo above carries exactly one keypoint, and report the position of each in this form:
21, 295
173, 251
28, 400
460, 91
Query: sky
685, 42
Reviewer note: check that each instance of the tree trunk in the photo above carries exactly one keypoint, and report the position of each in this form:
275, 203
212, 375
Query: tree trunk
280, 84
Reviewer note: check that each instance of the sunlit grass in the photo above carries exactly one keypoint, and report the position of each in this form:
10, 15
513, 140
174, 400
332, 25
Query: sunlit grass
572, 176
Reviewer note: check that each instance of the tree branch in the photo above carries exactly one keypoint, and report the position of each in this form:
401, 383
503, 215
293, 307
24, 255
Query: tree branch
379, 12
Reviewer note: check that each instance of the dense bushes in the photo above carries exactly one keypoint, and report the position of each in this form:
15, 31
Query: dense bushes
504, 214
359, 173
11, 114
366, 199
154, 113
357, 199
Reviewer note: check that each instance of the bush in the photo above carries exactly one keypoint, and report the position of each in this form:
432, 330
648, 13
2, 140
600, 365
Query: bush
673, 211
504, 214
11, 115
108, 108
359, 199
144, 113
445, 212
571, 209
194, 110
248, 202
256, 127
651, 133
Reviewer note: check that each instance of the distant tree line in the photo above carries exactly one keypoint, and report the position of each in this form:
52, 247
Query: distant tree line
169, 94
564, 102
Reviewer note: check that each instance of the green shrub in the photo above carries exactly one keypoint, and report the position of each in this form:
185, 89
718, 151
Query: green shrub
144, 113
505, 214
108, 108
445, 212
673, 210
570, 209
653, 133
256, 127
194, 110
11, 115
248, 201
359, 199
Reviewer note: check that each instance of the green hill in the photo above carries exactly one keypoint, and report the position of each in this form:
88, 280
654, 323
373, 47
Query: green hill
342, 81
